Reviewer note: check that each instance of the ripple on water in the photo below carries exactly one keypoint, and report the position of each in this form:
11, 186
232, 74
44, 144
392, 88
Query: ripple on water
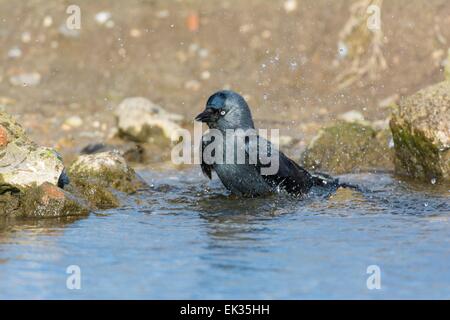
188, 238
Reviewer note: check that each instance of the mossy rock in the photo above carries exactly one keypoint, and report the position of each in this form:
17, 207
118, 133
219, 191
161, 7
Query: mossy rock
420, 127
349, 147
14, 130
22, 162
140, 120
97, 194
100, 177
44, 201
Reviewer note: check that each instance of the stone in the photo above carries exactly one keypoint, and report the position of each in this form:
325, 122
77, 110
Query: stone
44, 201
349, 147
352, 116
48, 200
290, 5
100, 176
130, 151
73, 122
26, 79
31, 177
24, 164
420, 127
140, 120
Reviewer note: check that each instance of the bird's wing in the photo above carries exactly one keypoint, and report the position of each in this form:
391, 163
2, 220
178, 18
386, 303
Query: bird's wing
289, 176
206, 168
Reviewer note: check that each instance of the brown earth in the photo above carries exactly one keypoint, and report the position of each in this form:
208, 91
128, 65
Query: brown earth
177, 53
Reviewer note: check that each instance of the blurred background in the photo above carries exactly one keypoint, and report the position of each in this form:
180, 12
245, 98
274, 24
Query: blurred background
299, 63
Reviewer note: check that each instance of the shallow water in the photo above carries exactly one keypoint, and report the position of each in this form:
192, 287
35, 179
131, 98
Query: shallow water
188, 239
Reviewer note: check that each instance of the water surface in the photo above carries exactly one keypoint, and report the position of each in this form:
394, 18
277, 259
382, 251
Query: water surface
188, 239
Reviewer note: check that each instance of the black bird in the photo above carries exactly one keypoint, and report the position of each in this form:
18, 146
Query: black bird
226, 110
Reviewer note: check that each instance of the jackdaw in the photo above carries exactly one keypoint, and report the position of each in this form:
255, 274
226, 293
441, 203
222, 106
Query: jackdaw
227, 113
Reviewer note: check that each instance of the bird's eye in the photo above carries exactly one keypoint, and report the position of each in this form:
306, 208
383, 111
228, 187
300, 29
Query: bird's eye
222, 113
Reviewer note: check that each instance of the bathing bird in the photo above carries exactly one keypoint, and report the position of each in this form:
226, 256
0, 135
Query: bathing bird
262, 169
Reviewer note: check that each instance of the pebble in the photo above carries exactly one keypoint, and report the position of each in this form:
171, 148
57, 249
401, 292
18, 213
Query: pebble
47, 22
205, 75
266, 34
135, 33
203, 53
193, 22
102, 17
74, 122
26, 79
14, 53
290, 5
162, 14
26, 37
246, 28
193, 85
351, 116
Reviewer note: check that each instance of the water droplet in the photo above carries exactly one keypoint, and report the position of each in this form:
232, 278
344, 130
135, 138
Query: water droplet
342, 50
293, 65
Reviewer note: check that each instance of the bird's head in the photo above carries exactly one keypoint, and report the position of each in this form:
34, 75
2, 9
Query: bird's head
226, 110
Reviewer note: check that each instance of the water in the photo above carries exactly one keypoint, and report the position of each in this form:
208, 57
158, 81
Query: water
189, 240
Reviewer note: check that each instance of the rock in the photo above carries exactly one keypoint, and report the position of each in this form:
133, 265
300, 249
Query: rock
14, 53
42, 201
24, 164
140, 120
3, 137
100, 176
73, 122
290, 5
30, 176
102, 17
26, 79
47, 22
26, 37
193, 85
131, 151
349, 147
161, 14
420, 127
352, 116
135, 33
193, 22
48, 200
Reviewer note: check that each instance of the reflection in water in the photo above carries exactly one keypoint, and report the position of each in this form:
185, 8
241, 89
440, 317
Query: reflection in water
188, 238
34, 227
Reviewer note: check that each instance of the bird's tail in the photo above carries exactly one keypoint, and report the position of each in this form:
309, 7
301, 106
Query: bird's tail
326, 181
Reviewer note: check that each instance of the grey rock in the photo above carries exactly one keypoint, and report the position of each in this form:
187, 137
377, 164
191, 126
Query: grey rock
24, 164
100, 176
140, 120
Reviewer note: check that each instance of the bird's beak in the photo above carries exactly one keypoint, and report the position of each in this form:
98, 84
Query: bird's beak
207, 115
